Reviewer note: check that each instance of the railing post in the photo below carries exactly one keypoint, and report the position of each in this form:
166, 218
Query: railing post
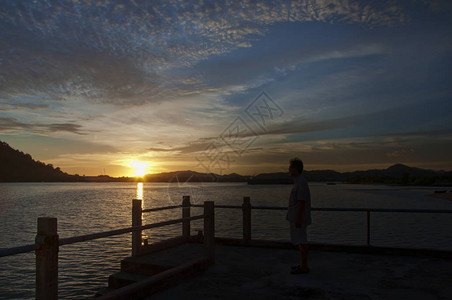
136, 221
246, 209
186, 214
47, 259
368, 227
209, 230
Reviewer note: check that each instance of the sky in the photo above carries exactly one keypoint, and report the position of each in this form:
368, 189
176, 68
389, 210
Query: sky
127, 87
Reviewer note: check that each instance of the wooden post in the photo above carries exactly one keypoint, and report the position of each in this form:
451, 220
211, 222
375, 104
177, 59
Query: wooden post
368, 227
47, 259
186, 214
136, 221
209, 230
246, 209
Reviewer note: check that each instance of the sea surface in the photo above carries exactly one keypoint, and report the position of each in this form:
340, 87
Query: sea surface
83, 208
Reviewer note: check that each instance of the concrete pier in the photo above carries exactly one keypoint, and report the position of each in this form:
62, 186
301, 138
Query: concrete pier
264, 273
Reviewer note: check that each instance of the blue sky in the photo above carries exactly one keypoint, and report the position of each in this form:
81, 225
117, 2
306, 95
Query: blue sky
227, 86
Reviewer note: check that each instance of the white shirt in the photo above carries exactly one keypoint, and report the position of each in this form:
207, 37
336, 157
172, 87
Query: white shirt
300, 192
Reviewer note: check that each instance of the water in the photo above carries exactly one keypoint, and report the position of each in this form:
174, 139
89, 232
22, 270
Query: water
83, 208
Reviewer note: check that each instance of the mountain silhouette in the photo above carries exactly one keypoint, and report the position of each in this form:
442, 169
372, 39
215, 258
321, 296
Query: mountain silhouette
16, 166
193, 176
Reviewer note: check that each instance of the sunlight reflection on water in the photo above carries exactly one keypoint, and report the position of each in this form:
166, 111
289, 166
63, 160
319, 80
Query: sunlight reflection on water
139, 191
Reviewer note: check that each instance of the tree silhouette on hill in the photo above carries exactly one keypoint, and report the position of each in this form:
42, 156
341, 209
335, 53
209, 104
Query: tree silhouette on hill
17, 166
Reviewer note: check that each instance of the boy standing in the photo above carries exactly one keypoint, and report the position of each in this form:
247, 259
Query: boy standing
299, 214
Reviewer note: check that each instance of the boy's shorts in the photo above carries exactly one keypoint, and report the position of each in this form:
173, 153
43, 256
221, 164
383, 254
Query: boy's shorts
298, 235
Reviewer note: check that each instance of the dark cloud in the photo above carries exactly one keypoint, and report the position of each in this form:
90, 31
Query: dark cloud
299, 126
67, 127
190, 147
12, 124
154, 149
7, 124
30, 106
420, 133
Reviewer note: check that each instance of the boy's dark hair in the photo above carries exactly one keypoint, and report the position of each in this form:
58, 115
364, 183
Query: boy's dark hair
297, 164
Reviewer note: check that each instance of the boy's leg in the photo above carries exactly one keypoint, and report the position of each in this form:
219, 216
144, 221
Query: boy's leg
304, 250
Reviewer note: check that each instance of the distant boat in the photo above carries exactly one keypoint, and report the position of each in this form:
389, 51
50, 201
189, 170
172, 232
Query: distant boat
440, 191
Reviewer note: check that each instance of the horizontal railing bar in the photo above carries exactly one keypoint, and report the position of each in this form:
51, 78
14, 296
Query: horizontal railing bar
18, 250
430, 211
220, 206
99, 235
229, 206
270, 207
160, 208
434, 211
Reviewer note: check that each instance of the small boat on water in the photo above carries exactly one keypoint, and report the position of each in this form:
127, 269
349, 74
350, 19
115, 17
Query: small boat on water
440, 191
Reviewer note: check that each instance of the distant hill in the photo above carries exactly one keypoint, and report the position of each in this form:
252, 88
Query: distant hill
400, 174
16, 166
396, 174
192, 176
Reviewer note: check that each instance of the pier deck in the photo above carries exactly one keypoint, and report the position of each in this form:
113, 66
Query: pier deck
263, 273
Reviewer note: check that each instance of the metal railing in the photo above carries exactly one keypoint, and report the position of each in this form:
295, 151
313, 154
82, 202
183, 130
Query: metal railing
47, 244
247, 207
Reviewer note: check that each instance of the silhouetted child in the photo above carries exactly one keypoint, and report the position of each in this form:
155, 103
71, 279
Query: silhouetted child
299, 214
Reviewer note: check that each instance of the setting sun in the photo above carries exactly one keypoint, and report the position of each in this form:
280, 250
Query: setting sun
140, 168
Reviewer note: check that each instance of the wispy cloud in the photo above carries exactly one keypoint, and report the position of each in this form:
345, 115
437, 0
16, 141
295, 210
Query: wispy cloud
7, 124
67, 127
132, 53
6, 106
13, 124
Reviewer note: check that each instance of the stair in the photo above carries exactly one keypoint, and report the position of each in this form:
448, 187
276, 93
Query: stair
103, 291
120, 279
155, 271
142, 265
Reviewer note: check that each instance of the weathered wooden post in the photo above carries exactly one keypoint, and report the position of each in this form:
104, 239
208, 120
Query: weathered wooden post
246, 209
368, 227
186, 214
209, 230
47, 259
136, 221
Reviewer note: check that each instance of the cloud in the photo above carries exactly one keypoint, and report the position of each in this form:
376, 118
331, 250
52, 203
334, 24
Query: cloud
30, 106
187, 148
421, 133
8, 124
137, 52
300, 126
67, 127
298, 130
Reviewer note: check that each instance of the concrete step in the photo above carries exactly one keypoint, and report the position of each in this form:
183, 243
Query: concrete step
121, 279
143, 266
103, 291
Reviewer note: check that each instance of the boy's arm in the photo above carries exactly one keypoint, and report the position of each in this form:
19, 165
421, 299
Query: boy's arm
300, 213
301, 198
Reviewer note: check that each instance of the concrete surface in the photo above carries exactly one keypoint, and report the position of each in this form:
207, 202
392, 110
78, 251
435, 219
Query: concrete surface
264, 273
